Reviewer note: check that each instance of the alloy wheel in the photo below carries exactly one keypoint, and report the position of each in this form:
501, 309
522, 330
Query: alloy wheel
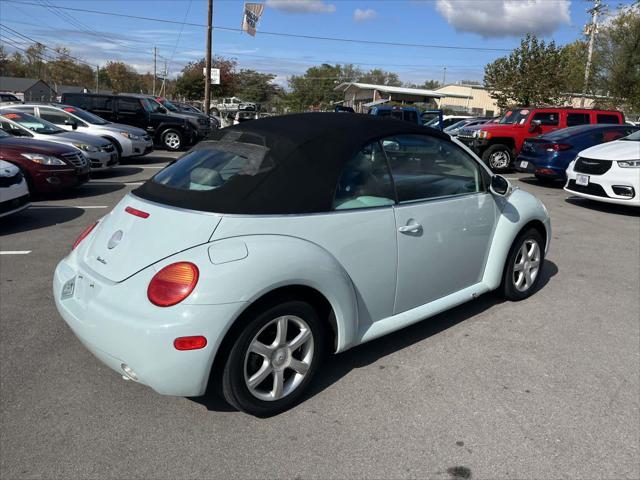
527, 265
172, 140
278, 358
499, 160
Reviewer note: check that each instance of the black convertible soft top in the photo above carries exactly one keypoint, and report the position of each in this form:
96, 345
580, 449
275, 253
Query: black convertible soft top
305, 153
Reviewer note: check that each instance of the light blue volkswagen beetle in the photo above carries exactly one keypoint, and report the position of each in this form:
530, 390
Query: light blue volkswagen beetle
279, 239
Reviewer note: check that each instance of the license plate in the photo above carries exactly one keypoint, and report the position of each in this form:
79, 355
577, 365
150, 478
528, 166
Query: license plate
582, 180
68, 288
524, 164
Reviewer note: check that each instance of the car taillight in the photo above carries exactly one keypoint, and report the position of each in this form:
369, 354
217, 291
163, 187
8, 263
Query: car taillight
83, 235
172, 284
137, 213
557, 147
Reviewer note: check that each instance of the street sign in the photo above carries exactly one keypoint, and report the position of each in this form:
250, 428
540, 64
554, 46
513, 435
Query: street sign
215, 75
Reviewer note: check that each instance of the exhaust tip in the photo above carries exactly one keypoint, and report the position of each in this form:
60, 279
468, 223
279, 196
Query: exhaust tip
129, 373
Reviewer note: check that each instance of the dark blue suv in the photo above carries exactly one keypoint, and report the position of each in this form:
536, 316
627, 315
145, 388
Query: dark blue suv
548, 156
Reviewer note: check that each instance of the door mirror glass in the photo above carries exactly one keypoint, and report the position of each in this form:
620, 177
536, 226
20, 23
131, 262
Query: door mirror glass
499, 185
535, 125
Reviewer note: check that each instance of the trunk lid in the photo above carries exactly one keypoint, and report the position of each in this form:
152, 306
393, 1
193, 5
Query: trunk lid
125, 243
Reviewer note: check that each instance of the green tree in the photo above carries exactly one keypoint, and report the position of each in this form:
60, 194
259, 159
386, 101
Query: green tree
378, 76
256, 87
617, 59
120, 77
575, 54
316, 88
533, 74
190, 82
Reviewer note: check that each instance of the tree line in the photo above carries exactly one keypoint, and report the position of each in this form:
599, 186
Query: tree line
535, 73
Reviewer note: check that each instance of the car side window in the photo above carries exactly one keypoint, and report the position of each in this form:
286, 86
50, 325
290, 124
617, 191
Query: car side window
547, 118
604, 118
53, 116
129, 105
425, 167
365, 181
29, 110
577, 119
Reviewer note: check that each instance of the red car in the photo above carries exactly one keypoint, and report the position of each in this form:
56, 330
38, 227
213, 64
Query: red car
47, 166
498, 144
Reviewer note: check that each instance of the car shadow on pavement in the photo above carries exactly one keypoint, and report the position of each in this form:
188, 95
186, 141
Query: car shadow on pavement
334, 367
34, 218
603, 207
115, 172
91, 189
146, 160
556, 184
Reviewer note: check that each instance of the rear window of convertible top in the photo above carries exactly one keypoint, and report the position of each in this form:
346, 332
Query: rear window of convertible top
212, 164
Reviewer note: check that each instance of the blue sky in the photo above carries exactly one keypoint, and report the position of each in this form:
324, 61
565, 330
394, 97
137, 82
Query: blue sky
495, 24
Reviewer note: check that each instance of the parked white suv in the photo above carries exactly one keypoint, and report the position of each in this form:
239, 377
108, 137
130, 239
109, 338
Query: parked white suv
609, 172
129, 141
100, 152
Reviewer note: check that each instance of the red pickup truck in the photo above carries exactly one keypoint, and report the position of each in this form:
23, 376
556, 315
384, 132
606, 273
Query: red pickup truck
498, 144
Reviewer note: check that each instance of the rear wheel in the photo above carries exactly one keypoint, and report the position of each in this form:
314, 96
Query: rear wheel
274, 359
524, 266
172, 140
497, 157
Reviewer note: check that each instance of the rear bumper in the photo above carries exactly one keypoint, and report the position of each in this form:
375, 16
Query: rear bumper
117, 323
539, 167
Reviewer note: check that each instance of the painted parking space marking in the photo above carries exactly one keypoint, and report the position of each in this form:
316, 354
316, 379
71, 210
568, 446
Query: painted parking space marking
129, 184
15, 252
151, 166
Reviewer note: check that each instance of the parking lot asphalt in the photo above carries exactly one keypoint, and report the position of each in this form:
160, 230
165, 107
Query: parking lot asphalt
544, 388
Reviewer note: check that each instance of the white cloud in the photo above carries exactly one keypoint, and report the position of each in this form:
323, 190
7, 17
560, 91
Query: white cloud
363, 15
503, 18
301, 6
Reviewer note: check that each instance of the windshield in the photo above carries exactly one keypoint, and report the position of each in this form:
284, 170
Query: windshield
32, 123
634, 137
86, 116
457, 125
515, 117
168, 105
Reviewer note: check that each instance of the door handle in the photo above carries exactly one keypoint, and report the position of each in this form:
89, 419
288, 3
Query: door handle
411, 227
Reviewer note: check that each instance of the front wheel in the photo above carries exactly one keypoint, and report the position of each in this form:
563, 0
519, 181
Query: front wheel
172, 140
274, 359
524, 266
497, 157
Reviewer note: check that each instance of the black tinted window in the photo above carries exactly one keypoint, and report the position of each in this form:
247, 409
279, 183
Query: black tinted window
102, 103
425, 167
365, 181
131, 105
604, 118
577, 119
547, 118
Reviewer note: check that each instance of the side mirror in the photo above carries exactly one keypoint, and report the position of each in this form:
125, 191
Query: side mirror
499, 185
73, 124
535, 126
162, 110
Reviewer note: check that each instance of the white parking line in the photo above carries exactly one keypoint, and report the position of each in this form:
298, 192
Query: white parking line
151, 166
131, 184
85, 207
15, 252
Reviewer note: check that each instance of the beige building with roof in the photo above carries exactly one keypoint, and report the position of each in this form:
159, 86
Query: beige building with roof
468, 99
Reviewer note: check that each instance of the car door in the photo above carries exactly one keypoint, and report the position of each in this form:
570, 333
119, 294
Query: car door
549, 121
445, 218
130, 112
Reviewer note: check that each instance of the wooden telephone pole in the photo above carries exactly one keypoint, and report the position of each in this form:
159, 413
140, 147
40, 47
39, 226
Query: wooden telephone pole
207, 77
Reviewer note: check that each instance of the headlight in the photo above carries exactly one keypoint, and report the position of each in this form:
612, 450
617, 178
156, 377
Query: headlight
43, 159
131, 136
629, 163
475, 134
86, 148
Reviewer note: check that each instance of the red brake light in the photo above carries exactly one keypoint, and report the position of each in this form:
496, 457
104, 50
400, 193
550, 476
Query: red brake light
172, 284
136, 212
190, 343
83, 235
558, 147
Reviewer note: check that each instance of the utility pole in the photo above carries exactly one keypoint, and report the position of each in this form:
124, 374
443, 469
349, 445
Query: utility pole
97, 78
155, 62
592, 30
207, 77
444, 76
164, 79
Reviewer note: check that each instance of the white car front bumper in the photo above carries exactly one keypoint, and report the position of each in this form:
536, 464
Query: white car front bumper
607, 186
14, 198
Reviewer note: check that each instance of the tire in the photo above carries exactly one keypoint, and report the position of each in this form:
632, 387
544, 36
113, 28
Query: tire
267, 396
172, 140
116, 145
498, 157
516, 285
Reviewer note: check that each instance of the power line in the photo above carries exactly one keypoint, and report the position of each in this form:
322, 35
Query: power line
280, 34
